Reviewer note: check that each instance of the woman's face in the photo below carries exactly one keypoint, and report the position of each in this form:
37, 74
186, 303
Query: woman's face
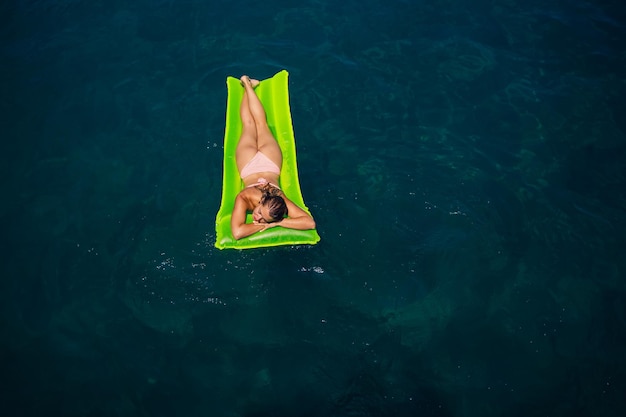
261, 214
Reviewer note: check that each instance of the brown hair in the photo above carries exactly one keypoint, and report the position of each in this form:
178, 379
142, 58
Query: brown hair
274, 202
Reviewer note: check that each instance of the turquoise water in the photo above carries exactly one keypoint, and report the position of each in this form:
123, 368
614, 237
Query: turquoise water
464, 161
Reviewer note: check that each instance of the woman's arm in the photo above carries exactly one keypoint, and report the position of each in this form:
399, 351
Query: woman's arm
298, 218
238, 224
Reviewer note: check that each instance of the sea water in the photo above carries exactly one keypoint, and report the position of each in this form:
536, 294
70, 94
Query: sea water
464, 162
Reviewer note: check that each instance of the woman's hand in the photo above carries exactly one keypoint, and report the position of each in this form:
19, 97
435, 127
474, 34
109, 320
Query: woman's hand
266, 225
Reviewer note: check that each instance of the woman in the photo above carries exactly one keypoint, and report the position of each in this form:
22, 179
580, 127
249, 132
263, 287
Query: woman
259, 160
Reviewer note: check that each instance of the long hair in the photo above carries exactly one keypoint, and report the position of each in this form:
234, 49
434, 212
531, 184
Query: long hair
274, 202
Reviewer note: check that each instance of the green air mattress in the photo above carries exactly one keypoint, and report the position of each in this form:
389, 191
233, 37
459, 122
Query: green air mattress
274, 94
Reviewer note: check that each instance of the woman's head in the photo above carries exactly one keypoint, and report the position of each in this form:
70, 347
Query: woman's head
272, 208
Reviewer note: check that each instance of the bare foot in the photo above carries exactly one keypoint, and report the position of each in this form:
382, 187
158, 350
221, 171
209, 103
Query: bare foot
245, 81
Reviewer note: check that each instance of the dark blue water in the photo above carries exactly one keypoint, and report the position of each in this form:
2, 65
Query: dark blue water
465, 163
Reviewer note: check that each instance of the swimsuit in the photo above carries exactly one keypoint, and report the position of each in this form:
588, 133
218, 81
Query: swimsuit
261, 182
260, 163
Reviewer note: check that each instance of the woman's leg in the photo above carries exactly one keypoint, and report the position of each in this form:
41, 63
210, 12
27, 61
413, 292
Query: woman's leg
247, 146
266, 142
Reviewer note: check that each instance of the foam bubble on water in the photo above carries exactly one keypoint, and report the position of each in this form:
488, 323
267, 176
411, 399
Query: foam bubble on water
316, 269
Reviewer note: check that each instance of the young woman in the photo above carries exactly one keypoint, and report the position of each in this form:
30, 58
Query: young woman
259, 160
